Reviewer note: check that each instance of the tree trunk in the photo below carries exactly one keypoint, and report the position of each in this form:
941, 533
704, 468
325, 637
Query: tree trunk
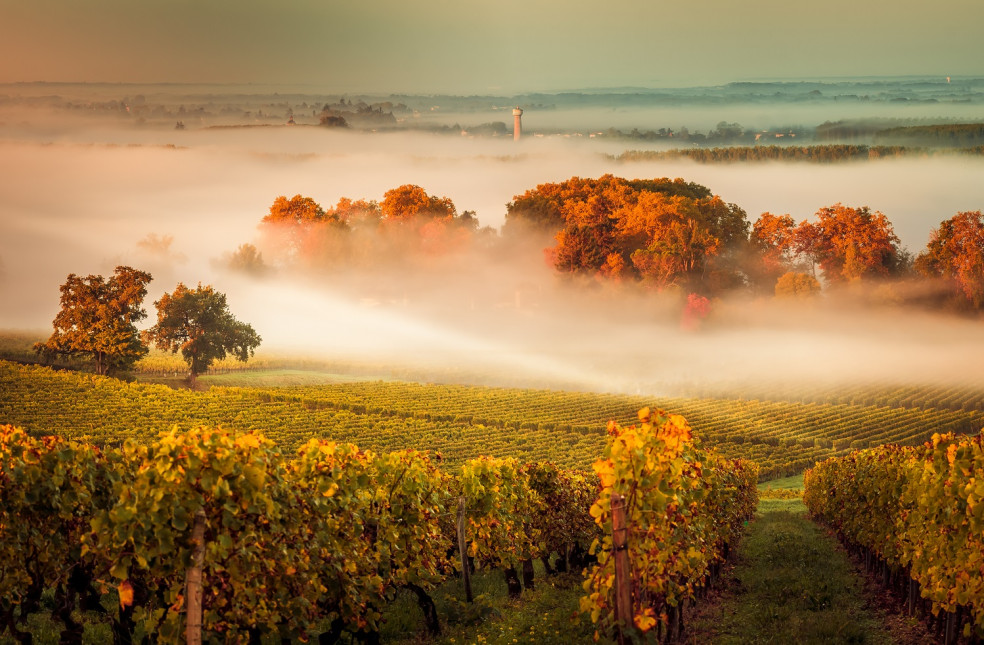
563, 559
193, 582
623, 579
24, 638
64, 605
528, 574
334, 633
426, 604
512, 582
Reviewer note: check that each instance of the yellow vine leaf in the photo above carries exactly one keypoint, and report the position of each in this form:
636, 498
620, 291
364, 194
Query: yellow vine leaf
125, 590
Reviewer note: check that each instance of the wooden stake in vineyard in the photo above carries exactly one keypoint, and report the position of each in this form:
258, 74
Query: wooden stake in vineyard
193, 582
463, 549
623, 576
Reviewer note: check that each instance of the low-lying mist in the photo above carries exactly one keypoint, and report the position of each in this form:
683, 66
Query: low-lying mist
175, 203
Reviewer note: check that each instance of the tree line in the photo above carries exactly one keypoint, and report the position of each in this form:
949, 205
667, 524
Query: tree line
660, 234
677, 235
817, 154
832, 153
98, 316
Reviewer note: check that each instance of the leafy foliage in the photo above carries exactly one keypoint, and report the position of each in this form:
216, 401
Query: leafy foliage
97, 319
290, 545
956, 252
683, 505
199, 323
49, 488
797, 285
851, 243
919, 507
661, 232
501, 508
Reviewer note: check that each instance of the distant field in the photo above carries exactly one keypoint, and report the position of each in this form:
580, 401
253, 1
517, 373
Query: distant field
257, 378
458, 421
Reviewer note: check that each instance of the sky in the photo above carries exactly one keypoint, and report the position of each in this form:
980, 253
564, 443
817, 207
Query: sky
473, 47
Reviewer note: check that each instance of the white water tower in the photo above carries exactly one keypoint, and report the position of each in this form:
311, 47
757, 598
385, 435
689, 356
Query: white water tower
517, 123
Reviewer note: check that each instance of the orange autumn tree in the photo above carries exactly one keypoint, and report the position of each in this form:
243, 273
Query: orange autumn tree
409, 226
850, 244
409, 201
773, 242
956, 253
301, 230
663, 233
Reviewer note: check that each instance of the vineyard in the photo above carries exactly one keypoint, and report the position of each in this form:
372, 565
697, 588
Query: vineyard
916, 516
507, 470
463, 422
216, 533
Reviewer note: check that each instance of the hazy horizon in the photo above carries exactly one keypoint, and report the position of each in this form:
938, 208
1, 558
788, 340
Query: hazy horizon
436, 46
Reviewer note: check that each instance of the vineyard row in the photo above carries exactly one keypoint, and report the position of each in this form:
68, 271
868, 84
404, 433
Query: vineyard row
460, 422
915, 513
219, 531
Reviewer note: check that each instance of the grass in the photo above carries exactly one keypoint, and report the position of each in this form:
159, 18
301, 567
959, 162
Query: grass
792, 583
547, 614
791, 482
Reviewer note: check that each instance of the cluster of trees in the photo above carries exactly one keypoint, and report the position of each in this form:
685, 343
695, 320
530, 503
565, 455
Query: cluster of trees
657, 233
817, 154
943, 134
98, 316
848, 244
344, 112
723, 134
407, 226
664, 233
674, 234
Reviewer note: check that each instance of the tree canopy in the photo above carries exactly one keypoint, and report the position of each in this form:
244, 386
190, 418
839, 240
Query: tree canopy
97, 319
409, 226
659, 233
956, 252
198, 322
662, 232
850, 243
296, 210
410, 201
541, 207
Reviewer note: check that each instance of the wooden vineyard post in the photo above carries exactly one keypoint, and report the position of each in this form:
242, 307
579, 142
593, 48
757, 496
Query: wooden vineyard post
463, 549
623, 578
193, 582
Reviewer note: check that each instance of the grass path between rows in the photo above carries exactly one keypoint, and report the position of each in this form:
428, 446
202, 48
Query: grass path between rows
792, 582
789, 582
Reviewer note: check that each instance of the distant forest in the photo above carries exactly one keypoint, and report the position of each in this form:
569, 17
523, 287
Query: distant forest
949, 135
817, 154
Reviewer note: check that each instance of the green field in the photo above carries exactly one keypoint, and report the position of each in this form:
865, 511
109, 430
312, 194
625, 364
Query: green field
462, 422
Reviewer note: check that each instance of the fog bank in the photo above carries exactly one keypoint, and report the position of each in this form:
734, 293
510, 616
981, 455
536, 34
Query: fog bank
84, 199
